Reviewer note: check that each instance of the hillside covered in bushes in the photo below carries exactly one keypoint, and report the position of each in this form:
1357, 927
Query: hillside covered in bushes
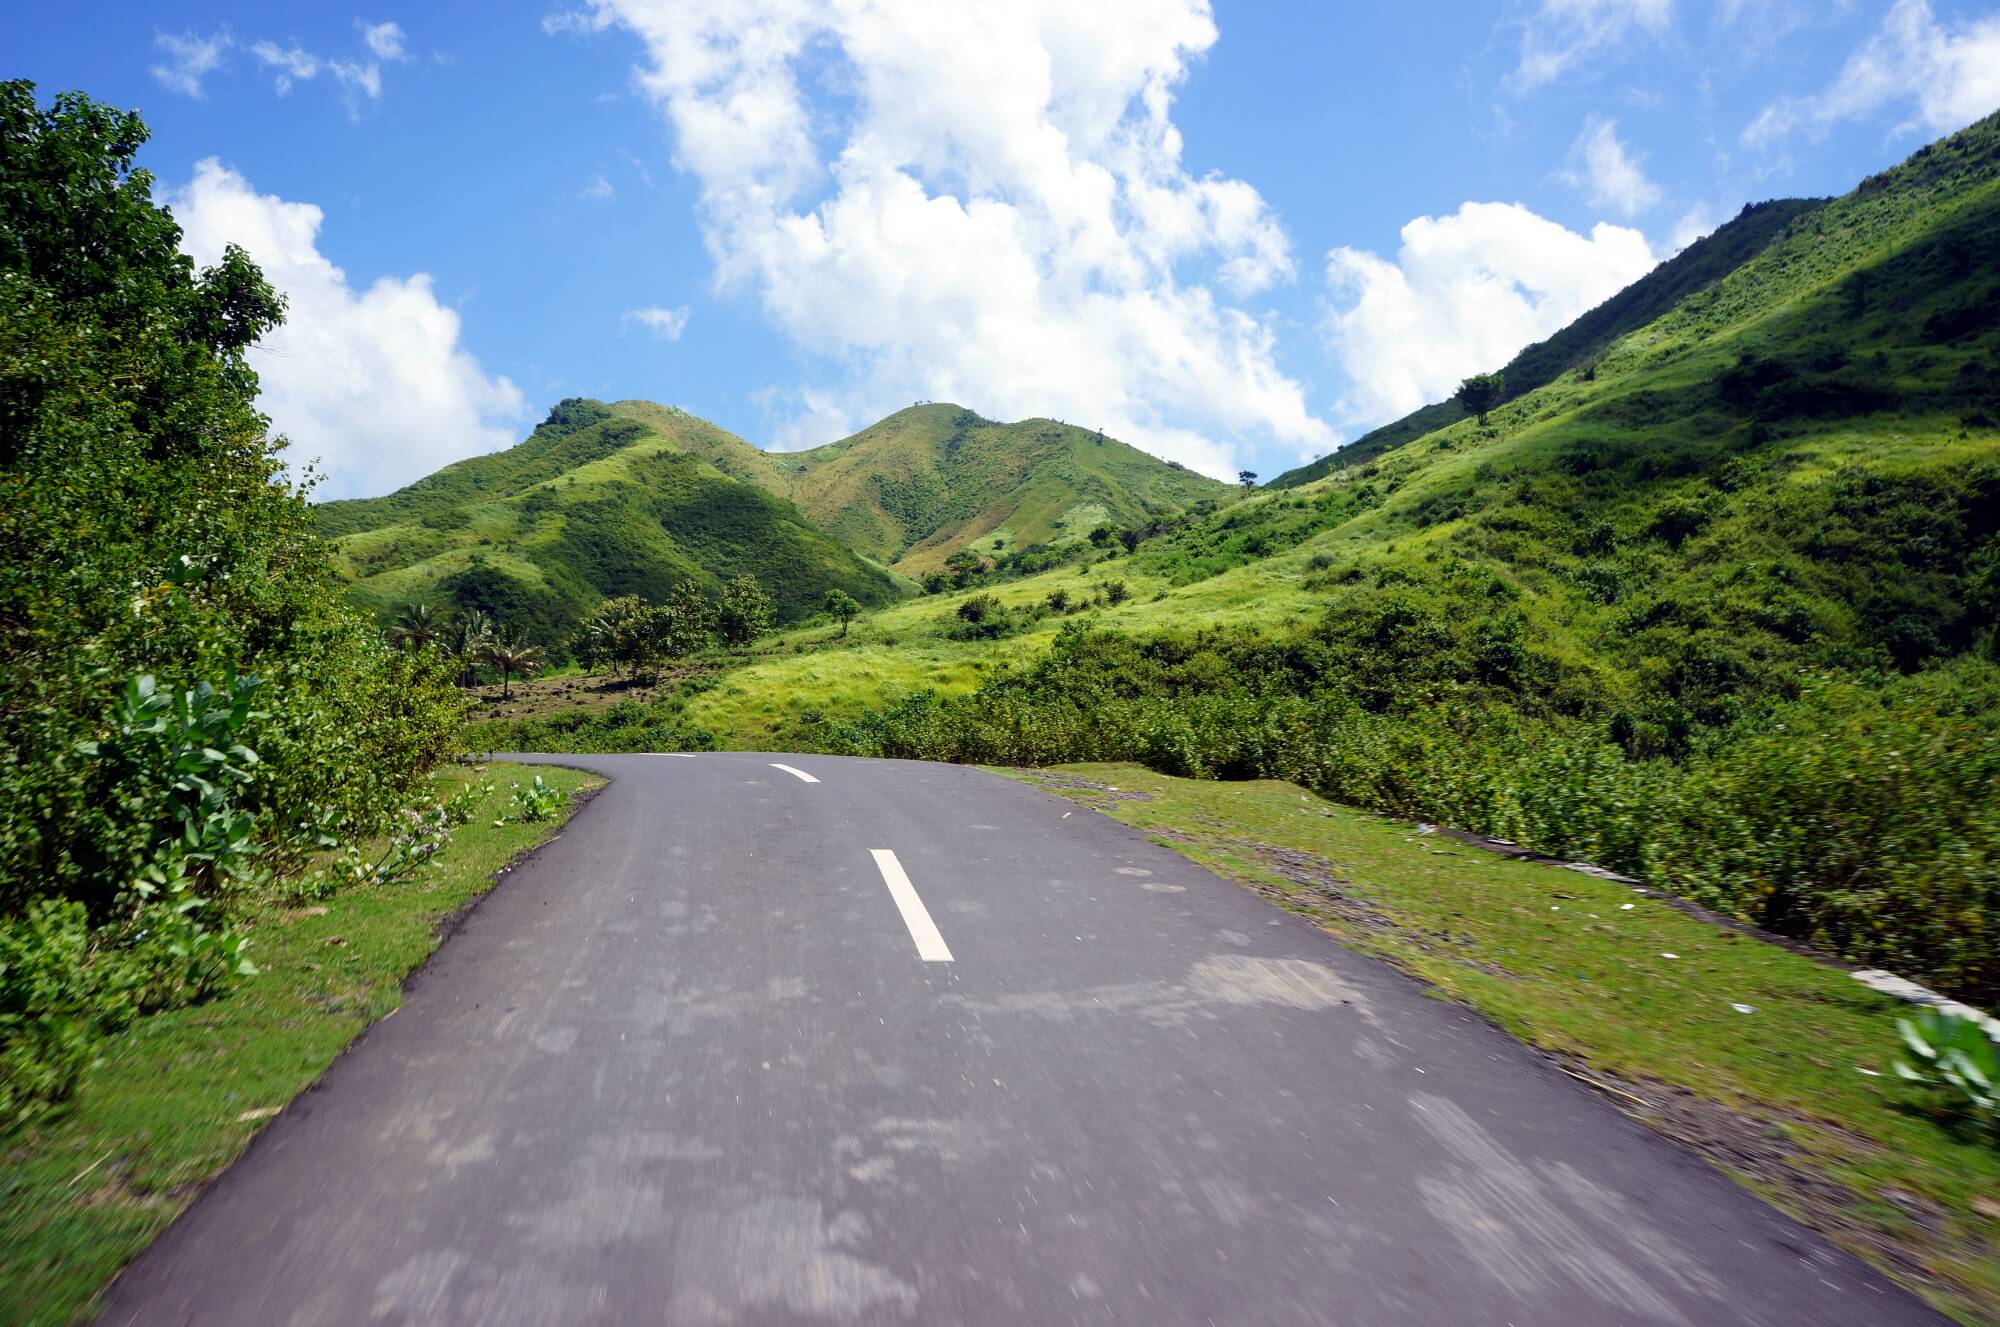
593, 505
1716, 606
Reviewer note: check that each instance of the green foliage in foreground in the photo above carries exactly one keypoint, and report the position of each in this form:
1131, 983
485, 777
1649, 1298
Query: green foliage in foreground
162, 1107
1956, 1054
157, 562
1875, 837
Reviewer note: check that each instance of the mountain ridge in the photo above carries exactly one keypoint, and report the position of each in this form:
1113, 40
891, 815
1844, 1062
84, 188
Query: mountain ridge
1696, 268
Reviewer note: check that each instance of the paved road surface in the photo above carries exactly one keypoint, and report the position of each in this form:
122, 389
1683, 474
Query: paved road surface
889, 1042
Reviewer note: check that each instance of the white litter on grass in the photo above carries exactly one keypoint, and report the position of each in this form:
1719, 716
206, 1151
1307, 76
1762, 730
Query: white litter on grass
1870, 1072
1744, 1008
1626, 907
1664, 954
1904, 989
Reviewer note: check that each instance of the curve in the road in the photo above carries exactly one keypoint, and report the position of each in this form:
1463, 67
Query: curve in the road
707, 1058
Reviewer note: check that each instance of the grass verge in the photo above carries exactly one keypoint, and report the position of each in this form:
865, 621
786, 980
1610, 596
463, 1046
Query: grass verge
177, 1096
1773, 1066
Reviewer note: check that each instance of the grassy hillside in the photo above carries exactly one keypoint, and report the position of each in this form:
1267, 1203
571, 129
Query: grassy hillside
591, 504
910, 490
1694, 269
1716, 607
1775, 510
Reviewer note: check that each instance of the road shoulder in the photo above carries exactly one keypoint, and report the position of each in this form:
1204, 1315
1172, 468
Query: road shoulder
179, 1095
1773, 1067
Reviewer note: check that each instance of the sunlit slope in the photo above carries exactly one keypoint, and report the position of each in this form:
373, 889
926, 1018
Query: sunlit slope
1796, 466
1693, 269
927, 481
592, 504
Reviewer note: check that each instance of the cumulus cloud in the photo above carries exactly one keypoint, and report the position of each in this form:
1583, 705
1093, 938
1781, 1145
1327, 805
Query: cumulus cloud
189, 59
999, 214
384, 39
1606, 170
371, 383
1561, 34
667, 324
1696, 223
1950, 75
1463, 294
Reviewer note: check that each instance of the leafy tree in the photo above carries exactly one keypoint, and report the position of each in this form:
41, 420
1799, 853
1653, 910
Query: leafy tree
1116, 592
611, 633
964, 566
840, 604
1103, 535
1480, 393
1247, 478
417, 626
685, 623
936, 582
746, 611
160, 568
465, 640
1058, 601
511, 654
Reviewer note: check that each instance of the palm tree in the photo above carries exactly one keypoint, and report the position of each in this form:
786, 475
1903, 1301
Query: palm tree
511, 654
466, 642
417, 626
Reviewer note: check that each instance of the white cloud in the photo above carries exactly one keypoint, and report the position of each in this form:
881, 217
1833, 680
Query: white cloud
1561, 34
999, 216
1602, 166
1951, 74
357, 77
667, 324
599, 190
384, 39
1696, 223
189, 59
291, 63
373, 383
1464, 293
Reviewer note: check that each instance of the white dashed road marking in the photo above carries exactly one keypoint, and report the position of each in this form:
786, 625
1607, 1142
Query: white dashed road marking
795, 773
930, 945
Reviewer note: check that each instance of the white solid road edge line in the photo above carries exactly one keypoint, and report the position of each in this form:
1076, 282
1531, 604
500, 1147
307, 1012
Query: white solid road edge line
795, 773
930, 945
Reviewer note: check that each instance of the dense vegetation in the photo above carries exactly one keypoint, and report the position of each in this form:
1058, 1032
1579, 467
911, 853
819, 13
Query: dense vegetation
1717, 606
1692, 270
594, 505
187, 711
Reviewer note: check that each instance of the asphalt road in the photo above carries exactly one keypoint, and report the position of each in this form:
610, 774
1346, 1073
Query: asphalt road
918, 1043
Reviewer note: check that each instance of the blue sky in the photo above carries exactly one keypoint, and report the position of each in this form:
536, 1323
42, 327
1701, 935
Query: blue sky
1235, 234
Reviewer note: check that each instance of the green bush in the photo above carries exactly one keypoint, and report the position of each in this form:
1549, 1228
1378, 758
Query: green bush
1860, 816
154, 547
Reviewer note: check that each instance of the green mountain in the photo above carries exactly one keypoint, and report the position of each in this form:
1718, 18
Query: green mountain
1694, 269
910, 490
594, 503
1717, 608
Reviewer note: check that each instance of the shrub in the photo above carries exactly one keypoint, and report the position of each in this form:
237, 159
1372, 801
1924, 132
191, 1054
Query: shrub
154, 547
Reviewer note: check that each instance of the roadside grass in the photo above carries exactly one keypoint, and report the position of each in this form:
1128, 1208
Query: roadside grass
1795, 1099
179, 1095
903, 648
